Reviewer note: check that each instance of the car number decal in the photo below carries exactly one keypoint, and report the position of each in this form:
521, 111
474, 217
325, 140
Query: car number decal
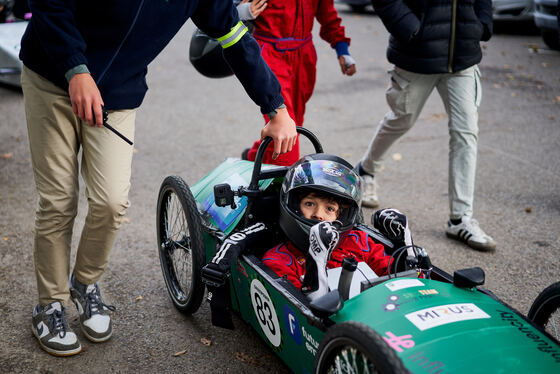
441, 315
265, 312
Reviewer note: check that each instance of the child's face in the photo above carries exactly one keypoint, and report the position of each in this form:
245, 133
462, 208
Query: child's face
318, 208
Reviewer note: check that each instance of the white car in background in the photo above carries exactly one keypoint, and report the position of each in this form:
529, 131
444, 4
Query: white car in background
10, 64
546, 19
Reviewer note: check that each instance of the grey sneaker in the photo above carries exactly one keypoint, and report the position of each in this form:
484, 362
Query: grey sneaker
94, 317
369, 191
50, 328
469, 231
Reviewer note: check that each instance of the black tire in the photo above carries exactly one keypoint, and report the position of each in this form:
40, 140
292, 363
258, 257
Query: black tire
360, 343
550, 38
180, 244
545, 311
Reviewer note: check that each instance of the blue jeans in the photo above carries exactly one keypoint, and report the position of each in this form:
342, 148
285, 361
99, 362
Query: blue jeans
461, 93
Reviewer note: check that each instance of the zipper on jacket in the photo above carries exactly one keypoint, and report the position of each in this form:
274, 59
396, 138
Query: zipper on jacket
452, 41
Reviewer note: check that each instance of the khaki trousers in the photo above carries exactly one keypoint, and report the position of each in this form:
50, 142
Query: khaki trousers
55, 138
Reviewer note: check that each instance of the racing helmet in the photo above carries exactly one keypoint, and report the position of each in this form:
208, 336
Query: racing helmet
325, 174
205, 54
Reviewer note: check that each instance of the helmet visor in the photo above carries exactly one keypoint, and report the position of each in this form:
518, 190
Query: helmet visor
329, 176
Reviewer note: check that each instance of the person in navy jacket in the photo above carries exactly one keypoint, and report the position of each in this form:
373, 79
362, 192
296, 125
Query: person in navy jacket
82, 58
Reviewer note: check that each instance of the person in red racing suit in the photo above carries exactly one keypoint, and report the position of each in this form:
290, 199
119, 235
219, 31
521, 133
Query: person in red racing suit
286, 259
283, 30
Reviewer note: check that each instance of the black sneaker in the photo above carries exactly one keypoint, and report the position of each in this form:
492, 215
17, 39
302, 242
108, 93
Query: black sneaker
94, 317
50, 328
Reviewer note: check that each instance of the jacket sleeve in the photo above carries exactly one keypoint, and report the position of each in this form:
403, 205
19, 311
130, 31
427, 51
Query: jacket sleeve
218, 18
483, 10
331, 29
55, 26
398, 18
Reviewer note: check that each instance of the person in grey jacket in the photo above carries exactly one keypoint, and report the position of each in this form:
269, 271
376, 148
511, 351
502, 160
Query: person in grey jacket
435, 44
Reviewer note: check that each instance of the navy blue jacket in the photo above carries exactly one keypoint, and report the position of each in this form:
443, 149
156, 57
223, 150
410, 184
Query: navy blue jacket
117, 39
435, 36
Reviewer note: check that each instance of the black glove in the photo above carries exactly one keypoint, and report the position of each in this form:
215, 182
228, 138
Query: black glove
394, 225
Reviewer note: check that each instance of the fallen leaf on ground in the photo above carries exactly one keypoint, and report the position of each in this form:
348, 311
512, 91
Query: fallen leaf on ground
397, 156
506, 66
244, 357
6, 156
528, 209
513, 94
5, 238
496, 85
206, 342
544, 64
558, 99
180, 353
437, 116
126, 220
138, 298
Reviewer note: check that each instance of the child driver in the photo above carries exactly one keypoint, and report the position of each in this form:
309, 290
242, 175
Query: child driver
319, 206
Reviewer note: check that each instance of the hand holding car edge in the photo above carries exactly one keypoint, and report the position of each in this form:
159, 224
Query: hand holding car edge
282, 130
86, 99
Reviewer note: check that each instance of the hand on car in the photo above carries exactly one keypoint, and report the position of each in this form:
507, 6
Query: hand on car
257, 6
282, 130
86, 99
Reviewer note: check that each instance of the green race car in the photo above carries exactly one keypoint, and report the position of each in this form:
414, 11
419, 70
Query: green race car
417, 320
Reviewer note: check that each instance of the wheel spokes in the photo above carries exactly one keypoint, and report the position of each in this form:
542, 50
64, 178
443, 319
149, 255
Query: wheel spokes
351, 361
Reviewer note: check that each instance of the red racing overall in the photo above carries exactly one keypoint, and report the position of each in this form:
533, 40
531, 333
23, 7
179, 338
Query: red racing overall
283, 31
286, 259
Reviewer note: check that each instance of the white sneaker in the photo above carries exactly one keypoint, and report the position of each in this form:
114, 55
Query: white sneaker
51, 330
95, 320
369, 191
469, 231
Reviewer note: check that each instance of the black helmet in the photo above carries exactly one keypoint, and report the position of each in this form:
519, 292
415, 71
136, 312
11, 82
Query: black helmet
323, 173
205, 53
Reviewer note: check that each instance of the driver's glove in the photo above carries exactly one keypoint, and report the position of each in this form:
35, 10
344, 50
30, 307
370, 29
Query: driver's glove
323, 238
394, 225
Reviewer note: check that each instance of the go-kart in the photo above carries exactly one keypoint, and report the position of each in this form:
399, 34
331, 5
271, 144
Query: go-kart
10, 64
418, 319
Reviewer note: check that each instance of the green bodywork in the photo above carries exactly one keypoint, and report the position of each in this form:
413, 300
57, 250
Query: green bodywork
434, 326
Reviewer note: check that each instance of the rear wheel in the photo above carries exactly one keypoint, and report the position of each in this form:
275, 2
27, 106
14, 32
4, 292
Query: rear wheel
180, 243
352, 347
545, 310
550, 38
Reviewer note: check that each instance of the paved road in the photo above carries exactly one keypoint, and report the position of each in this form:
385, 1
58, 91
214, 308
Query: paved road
189, 124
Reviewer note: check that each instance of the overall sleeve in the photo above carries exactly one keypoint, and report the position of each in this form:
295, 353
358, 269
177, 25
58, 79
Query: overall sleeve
219, 19
55, 26
331, 29
483, 10
397, 17
376, 259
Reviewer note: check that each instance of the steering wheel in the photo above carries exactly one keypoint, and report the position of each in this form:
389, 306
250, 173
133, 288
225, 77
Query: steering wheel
258, 174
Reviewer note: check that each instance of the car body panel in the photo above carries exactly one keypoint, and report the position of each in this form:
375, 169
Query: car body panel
545, 14
513, 10
10, 64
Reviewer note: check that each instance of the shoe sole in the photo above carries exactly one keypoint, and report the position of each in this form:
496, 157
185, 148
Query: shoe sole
93, 339
474, 245
54, 352
370, 205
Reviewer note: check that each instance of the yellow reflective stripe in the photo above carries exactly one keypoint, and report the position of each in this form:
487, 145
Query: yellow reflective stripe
233, 36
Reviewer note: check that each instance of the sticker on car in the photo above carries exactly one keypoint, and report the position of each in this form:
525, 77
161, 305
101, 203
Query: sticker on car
441, 315
265, 312
400, 284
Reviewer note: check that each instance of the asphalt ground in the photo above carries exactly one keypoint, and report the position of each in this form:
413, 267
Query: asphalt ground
189, 124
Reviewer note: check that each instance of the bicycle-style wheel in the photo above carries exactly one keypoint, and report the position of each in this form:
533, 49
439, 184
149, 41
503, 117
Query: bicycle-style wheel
545, 310
352, 347
180, 244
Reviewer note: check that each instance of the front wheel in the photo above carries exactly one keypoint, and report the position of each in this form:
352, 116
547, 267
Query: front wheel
352, 347
545, 311
180, 244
